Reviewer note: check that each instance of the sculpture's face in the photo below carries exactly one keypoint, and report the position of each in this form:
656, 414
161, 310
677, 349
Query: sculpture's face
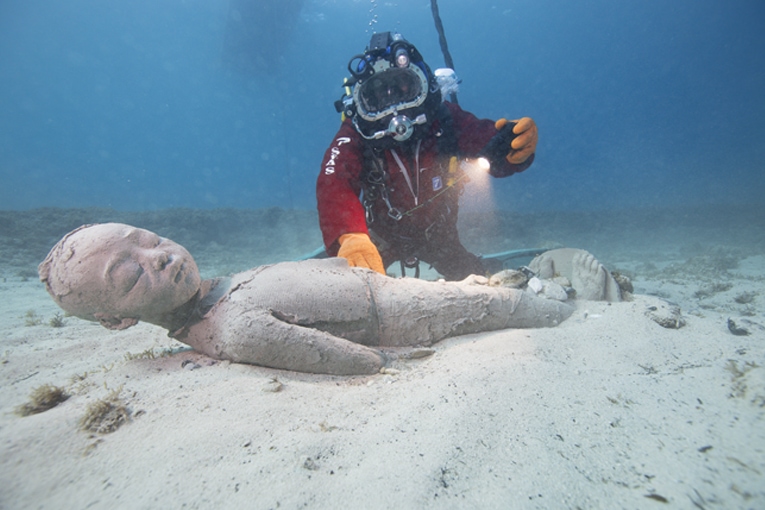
117, 271
150, 270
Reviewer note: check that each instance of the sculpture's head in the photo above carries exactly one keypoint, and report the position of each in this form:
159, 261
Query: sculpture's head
117, 275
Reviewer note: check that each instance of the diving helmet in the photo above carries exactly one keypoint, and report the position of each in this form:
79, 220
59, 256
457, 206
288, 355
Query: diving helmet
392, 94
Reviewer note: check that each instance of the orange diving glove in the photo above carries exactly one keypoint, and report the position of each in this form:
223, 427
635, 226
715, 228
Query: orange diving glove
360, 251
525, 143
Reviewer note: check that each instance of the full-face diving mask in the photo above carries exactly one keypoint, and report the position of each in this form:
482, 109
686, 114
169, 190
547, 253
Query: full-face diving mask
393, 90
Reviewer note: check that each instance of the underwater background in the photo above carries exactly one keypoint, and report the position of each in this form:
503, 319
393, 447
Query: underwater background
141, 105
206, 121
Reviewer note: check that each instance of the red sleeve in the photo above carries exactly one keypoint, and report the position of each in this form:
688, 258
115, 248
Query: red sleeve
473, 133
338, 188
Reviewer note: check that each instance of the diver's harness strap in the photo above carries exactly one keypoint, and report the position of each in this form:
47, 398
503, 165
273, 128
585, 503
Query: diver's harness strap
375, 176
375, 184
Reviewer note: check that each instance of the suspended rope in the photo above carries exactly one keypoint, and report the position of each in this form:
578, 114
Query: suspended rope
442, 42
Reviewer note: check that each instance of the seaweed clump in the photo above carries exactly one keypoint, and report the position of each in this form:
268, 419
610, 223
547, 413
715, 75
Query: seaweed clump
105, 415
32, 319
57, 321
42, 398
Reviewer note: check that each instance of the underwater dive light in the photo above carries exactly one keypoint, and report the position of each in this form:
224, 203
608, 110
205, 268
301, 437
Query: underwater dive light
492, 154
498, 147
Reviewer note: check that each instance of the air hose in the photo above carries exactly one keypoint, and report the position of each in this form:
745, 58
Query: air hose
442, 41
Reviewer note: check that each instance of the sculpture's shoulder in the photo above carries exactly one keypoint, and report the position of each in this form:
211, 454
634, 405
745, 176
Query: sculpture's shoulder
292, 271
304, 280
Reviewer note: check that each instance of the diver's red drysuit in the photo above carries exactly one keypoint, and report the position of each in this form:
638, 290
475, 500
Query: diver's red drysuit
427, 201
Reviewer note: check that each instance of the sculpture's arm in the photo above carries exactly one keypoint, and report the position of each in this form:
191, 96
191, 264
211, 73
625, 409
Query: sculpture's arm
260, 338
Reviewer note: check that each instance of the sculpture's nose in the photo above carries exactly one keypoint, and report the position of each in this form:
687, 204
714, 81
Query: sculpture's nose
160, 260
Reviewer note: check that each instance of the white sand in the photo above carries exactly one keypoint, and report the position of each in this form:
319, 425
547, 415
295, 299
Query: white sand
608, 410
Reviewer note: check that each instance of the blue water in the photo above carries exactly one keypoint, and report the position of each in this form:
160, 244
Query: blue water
137, 104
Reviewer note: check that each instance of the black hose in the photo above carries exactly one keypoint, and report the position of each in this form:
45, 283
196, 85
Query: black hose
442, 42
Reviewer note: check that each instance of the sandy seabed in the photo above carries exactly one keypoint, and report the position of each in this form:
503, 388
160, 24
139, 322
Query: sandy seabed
608, 410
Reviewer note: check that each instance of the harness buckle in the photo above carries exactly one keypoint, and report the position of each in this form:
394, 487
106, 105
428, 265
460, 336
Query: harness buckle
393, 212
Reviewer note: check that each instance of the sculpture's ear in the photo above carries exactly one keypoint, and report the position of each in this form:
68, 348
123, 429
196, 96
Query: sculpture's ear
111, 322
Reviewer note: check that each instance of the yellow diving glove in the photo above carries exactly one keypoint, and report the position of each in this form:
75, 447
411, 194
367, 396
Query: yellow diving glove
525, 142
360, 251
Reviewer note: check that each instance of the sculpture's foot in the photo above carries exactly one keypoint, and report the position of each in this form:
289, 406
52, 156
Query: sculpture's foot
591, 280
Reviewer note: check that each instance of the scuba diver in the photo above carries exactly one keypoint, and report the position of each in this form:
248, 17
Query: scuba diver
390, 182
